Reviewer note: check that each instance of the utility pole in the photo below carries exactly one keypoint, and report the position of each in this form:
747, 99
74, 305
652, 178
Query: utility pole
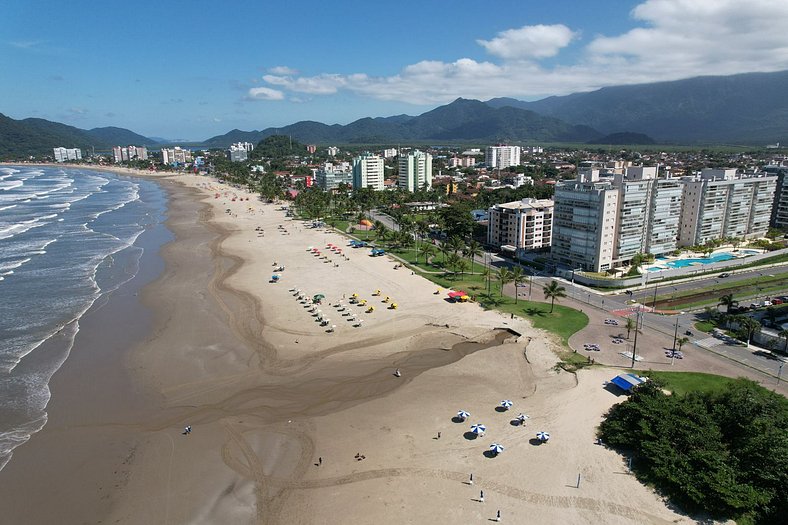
675, 337
635, 344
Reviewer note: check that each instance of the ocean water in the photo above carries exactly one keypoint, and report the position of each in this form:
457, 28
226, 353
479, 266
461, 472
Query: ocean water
67, 239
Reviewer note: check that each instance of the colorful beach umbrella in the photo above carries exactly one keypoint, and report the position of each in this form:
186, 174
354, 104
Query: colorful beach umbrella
463, 415
478, 429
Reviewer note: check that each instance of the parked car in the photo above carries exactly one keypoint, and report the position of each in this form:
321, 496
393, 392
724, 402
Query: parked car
767, 303
777, 300
724, 274
754, 305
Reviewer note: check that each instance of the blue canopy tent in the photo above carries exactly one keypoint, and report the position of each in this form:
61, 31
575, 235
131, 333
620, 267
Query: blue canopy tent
627, 382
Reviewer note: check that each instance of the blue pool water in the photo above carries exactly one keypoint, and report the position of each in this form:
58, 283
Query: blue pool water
683, 263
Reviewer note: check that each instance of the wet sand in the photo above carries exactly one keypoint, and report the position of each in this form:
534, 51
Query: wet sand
268, 393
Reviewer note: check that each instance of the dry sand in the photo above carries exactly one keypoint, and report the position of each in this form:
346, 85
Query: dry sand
268, 392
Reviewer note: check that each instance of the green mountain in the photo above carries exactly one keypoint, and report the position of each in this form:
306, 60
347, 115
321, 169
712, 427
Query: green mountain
462, 120
37, 137
750, 108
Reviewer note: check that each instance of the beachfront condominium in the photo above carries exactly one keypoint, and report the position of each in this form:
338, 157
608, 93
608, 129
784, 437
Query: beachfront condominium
520, 226
368, 172
648, 215
176, 155
415, 171
127, 153
779, 217
501, 156
66, 154
330, 176
719, 204
584, 222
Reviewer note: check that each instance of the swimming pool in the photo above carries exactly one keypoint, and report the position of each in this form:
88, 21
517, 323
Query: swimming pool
717, 257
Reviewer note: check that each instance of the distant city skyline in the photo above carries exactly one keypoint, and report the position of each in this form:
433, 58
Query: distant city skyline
201, 69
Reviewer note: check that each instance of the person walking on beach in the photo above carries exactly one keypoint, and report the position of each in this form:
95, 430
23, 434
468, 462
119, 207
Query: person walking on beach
320, 460
481, 496
439, 435
470, 481
498, 516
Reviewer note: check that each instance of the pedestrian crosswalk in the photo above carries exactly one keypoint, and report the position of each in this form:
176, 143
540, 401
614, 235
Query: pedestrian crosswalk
709, 342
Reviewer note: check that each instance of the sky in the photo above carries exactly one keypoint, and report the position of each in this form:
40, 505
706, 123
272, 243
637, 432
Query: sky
192, 69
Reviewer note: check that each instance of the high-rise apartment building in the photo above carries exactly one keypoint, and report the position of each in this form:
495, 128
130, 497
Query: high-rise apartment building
521, 226
584, 222
127, 153
66, 154
648, 215
415, 171
718, 204
501, 157
332, 151
779, 218
368, 172
175, 155
330, 176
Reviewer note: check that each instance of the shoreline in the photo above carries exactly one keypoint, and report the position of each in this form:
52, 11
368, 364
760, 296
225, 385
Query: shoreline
268, 392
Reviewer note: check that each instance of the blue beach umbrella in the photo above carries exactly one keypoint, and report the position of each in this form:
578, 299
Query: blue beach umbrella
543, 436
274, 277
506, 404
478, 429
496, 449
462, 414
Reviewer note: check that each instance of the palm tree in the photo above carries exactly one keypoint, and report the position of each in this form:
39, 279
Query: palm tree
487, 274
517, 276
456, 244
445, 249
505, 276
427, 250
453, 262
462, 265
728, 302
554, 291
381, 232
473, 250
681, 341
629, 325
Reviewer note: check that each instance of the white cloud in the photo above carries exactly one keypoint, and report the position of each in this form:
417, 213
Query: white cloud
264, 93
539, 41
25, 44
283, 70
673, 39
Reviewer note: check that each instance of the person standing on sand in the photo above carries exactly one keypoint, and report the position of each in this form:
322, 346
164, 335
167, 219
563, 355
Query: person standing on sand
481, 496
320, 460
498, 516
470, 481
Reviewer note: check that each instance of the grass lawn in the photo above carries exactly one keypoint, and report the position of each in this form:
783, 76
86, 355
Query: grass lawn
705, 326
683, 382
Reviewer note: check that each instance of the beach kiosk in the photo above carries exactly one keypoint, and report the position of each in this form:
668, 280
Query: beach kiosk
627, 382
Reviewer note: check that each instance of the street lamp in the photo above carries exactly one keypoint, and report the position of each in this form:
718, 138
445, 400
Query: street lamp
635, 344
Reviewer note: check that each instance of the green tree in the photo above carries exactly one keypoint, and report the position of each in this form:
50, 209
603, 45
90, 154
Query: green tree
517, 277
472, 250
427, 250
504, 276
629, 325
728, 302
554, 291
681, 341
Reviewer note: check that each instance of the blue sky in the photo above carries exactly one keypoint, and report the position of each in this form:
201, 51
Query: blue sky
194, 69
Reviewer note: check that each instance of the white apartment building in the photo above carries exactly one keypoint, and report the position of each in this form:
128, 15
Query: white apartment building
462, 162
239, 152
368, 172
127, 153
779, 217
415, 171
332, 151
718, 204
649, 210
246, 146
330, 176
584, 222
176, 154
501, 157
66, 154
521, 226
390, 153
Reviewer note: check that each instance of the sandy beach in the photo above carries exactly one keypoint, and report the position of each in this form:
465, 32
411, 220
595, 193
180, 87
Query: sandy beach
293, 423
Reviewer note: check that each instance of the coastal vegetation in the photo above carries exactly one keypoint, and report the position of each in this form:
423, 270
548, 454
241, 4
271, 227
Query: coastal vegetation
720, 452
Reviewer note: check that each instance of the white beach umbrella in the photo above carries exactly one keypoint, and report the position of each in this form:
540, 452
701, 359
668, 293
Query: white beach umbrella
463, 415
478, 429
496, 449
543, 436
506, 404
